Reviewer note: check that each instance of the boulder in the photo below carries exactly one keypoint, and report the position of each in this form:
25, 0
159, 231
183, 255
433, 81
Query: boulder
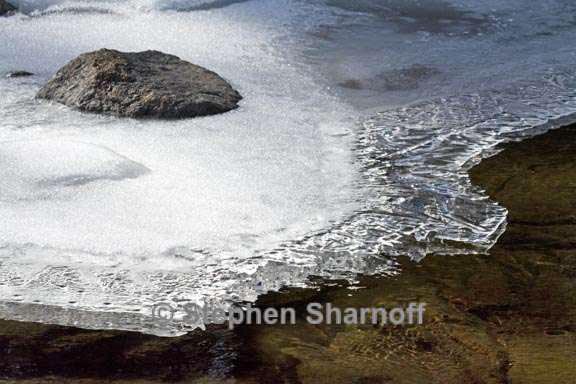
148, 84
6, 8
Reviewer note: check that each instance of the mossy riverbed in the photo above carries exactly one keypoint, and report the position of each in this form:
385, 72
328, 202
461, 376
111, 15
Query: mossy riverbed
506, 317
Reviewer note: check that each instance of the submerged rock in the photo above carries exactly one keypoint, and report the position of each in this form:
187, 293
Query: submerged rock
141, 84
6, 8
15, 74
403, 79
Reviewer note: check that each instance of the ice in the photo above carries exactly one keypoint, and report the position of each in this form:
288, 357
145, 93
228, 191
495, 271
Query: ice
45, 169
288, 185
222, 193
30, 6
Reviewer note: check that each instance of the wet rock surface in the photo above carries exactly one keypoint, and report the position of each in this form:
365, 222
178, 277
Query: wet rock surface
148, 84
506, 317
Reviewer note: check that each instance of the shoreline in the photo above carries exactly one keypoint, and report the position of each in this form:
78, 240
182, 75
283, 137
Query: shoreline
503, 317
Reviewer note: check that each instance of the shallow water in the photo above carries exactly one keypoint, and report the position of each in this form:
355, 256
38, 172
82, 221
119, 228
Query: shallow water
305, 178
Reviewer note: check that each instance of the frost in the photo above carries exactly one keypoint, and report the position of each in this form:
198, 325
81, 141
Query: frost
43, 169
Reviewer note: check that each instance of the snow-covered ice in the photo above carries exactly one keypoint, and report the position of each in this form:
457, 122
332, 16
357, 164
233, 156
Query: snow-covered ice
45, 169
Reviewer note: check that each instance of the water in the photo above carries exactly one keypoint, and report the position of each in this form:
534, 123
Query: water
359, 121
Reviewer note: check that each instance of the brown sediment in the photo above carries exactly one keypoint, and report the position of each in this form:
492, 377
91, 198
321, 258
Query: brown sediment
506, 317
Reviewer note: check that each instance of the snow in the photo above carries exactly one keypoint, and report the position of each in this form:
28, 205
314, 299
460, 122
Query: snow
47, 169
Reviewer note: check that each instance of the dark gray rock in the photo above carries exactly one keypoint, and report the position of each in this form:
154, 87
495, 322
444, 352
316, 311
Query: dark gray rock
19, 74
143, 84
6, 8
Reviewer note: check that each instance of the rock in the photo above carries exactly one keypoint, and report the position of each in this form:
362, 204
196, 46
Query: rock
15, 74
141, 84
6, 8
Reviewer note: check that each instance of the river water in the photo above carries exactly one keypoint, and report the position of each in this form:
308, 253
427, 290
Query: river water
359, 121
